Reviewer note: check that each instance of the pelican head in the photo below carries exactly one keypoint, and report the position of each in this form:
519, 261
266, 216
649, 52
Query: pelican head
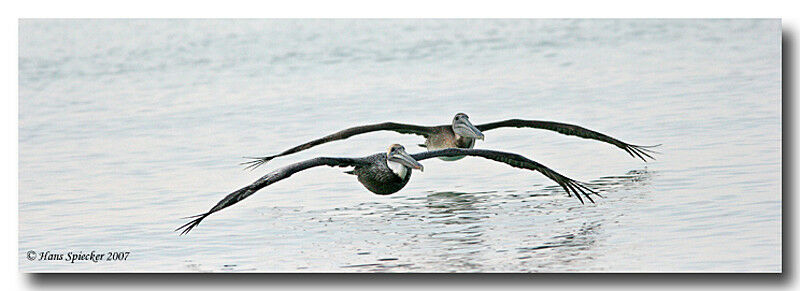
397, 154
462, 127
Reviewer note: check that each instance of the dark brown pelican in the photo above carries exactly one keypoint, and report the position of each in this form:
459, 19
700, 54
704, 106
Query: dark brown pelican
387, 173
460, 134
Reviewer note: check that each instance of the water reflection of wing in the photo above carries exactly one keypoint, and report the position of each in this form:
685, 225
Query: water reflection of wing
564, 251
630, 180
584, 237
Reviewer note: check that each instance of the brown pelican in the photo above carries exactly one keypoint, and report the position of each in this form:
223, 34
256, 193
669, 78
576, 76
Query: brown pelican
460, 134
387, 173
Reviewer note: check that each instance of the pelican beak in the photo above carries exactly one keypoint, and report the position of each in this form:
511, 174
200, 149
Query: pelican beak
464, 128
405, 159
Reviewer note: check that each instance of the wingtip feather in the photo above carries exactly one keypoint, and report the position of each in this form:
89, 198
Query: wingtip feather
256, 162
192, 224
641, 151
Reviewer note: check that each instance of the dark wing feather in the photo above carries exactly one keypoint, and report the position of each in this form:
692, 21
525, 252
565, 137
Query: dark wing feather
570, 186
569, 129
267, 180
391, 126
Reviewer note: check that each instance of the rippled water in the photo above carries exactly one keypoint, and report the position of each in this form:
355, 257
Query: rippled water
127, 126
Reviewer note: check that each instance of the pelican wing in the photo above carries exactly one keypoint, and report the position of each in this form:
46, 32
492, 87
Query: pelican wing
267, 180
390, 126
569, 129
570, 186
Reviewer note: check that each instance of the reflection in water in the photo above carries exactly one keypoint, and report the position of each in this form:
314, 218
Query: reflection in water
629, 181
562, 251
481, 231
466, 211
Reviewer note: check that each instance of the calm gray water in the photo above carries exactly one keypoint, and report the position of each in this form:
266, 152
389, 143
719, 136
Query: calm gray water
127, 126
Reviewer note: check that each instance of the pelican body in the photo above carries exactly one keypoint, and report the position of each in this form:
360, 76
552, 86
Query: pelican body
384, 174
387, 173
461, 133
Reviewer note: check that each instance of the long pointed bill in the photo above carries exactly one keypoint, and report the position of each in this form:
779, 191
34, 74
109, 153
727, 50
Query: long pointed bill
405, 159
465, 128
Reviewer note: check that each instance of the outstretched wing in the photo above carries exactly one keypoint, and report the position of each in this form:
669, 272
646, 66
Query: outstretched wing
391, 126
265, 181
517, 161
569, 129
